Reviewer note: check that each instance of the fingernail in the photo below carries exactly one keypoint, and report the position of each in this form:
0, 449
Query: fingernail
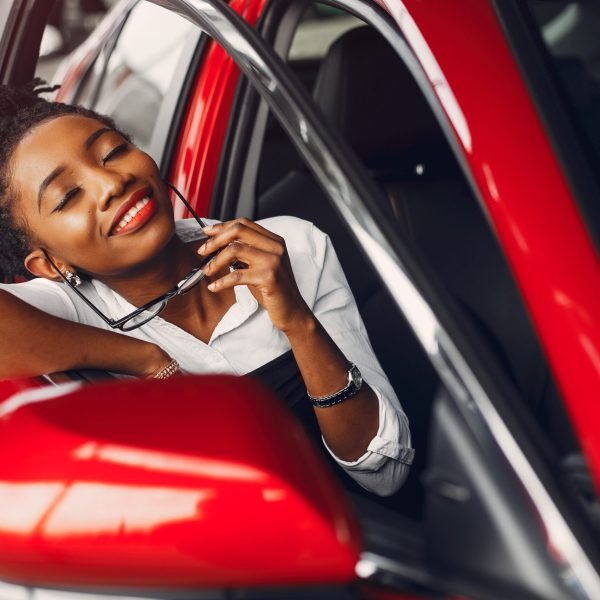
202, 249
207, 229
212, 286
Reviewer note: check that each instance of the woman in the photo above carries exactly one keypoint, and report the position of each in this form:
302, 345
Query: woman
85, 212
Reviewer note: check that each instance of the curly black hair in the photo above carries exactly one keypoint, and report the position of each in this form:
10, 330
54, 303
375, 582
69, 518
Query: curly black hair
21, 109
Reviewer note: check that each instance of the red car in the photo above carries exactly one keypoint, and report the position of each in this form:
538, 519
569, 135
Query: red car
452, 152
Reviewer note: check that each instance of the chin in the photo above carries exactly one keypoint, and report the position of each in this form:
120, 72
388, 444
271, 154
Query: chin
140, 248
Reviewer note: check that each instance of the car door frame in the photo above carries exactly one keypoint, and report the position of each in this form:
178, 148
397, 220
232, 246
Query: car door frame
21, 27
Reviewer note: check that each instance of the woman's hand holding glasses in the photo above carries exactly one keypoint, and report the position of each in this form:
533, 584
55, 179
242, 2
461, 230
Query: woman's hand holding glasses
266, 270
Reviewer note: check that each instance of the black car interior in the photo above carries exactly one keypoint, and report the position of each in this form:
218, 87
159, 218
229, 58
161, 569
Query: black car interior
388, 124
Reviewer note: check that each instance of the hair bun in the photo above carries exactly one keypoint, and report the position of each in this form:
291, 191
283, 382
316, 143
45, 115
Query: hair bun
15, 99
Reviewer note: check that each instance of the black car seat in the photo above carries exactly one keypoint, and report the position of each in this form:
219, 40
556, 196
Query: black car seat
385, 119
403, 147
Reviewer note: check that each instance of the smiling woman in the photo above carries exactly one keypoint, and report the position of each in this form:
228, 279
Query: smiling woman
87, 215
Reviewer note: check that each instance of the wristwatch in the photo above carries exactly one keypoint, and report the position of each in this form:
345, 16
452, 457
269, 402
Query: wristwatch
353, 386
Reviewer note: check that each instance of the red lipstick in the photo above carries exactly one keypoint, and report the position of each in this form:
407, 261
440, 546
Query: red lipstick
134, 212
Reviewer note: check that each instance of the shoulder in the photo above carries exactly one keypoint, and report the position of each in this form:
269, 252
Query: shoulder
38, 285
302, 238
307, 247
49, 296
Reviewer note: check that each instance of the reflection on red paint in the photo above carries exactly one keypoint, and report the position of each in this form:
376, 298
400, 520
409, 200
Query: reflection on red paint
168, 462
122, 509
23, 506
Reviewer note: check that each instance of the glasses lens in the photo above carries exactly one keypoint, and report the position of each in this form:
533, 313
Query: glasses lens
143, 317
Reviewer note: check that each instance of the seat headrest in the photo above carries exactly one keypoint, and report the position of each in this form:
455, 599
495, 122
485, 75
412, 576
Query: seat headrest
366, 91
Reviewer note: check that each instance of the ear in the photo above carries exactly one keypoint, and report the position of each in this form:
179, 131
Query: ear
37, 263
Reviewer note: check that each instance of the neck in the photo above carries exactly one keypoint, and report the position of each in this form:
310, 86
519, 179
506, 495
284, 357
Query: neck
197, 312
157, 277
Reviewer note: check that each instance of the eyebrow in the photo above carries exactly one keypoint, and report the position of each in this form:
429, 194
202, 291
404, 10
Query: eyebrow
60, 169
44, 185
90, 141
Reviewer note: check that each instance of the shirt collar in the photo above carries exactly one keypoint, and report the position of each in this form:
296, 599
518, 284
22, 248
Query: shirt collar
245, 306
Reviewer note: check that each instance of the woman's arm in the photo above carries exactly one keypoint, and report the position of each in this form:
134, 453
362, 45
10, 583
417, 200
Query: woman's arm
347, 427
33, 343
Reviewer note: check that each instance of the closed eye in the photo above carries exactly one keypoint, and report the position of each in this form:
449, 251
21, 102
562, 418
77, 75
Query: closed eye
115, 152
70, 194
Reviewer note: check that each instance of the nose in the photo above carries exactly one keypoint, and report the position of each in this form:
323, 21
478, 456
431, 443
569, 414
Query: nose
111, 184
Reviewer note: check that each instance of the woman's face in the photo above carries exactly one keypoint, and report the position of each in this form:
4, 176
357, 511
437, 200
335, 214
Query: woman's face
92, 200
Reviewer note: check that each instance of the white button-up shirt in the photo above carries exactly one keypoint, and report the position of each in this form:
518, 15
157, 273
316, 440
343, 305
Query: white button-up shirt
245, 338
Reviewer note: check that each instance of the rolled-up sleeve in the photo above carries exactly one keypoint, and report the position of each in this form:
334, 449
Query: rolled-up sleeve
383, 468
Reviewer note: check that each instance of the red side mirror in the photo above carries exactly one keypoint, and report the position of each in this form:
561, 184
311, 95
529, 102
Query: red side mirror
203, 482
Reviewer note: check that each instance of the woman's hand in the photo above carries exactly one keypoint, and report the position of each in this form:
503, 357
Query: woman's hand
267, 270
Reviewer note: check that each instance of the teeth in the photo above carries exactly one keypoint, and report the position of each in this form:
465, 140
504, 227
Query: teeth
128, 216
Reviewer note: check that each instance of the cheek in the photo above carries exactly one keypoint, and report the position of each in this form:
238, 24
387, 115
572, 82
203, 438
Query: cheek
77, 226
144, 163
70, 235
69, 226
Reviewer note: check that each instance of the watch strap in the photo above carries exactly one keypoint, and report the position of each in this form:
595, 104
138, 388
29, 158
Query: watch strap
349, 390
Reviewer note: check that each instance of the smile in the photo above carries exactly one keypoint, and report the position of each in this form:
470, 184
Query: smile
141, 208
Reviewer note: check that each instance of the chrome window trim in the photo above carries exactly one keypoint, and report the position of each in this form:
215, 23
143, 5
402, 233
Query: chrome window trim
318, 149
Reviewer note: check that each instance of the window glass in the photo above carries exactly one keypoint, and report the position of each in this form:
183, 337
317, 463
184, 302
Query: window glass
91, 80
570, 32
140, 69
319, 27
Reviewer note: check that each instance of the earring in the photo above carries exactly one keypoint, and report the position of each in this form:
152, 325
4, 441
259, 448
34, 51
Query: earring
72, 278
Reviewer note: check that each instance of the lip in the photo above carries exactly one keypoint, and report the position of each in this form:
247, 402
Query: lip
138, 195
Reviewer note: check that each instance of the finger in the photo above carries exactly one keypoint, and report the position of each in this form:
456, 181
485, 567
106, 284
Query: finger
243, 221
245, 230
239, 277
239, 231
238, 251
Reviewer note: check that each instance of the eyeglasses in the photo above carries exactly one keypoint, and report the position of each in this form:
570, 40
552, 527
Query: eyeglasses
151, 309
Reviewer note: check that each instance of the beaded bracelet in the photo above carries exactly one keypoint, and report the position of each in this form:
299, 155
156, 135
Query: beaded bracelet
171, 369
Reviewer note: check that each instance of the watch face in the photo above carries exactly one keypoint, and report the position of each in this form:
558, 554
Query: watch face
356, 377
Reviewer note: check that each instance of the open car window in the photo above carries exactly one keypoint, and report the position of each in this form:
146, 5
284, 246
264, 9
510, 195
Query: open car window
424, 196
